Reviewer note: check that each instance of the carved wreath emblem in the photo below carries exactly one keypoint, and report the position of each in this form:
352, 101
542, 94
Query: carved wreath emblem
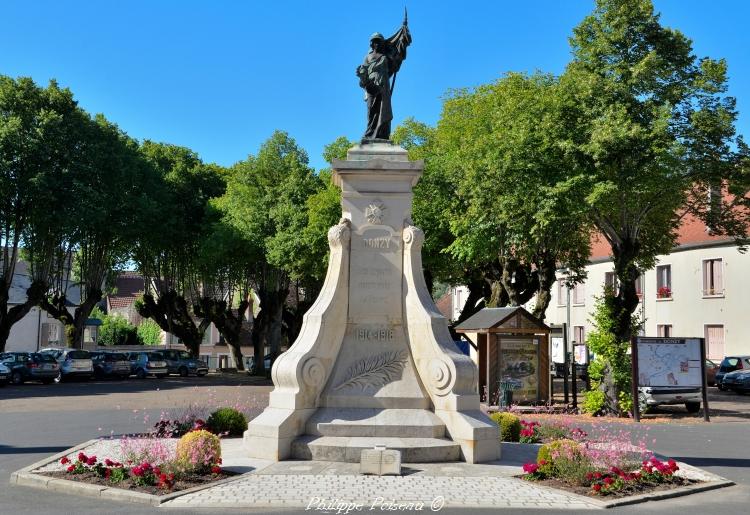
375, 371
375, 212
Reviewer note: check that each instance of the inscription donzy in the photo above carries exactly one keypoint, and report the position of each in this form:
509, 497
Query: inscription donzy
383, 242
374, 371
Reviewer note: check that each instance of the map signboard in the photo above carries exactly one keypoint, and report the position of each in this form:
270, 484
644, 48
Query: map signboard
519, 362
669, 362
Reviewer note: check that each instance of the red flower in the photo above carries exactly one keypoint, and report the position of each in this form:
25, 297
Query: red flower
137, 471
530, 468
91, 461
109, 462
219, 462
589, 476
64, 460
107, 473
157, 471
597, 475
71, 468
82, 457
542, 462
216, 469
608, 481
597, 487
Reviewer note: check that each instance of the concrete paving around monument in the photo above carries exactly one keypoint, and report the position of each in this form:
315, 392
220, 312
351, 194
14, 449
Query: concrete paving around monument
338, 487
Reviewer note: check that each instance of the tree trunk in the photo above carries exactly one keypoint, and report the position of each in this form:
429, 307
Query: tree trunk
546, 279
171, 313
8, 317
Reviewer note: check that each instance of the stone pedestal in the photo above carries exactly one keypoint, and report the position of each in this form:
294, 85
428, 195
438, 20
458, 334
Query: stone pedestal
374, 363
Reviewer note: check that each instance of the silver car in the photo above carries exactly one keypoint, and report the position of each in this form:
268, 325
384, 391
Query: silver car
4, 375
650, 396
73, 362
144, 364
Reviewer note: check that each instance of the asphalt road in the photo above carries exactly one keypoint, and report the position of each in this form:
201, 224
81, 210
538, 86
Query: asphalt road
39, 420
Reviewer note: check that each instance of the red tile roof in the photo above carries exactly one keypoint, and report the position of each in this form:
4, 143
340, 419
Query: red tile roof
129, 286
692, 232
445, 305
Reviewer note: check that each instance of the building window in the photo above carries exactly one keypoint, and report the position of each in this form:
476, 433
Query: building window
579, 294
713, 280
664, 282
610, 281
562, 293
639, 286
664, 330
715, 341
579, 334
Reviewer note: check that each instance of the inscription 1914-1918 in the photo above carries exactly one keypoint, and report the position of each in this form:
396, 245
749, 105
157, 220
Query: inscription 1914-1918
378, 334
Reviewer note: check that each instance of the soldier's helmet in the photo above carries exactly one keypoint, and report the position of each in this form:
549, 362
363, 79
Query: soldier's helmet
376, 36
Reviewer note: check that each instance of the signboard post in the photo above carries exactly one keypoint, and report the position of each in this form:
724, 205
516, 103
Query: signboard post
666, 363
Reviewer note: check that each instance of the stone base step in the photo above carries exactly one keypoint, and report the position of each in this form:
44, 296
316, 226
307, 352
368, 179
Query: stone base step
374, 422
348, 449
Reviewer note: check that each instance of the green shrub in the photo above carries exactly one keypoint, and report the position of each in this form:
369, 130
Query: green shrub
149, 333
510, 426
594, 402
550, 453
116, 330
227, 421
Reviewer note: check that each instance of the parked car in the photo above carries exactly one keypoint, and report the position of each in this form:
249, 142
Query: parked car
650, 396
73, 362
181, 362
4, 374
711, 369
110, 364
730, 364
250, 364
737, 381
30, 366
143, 364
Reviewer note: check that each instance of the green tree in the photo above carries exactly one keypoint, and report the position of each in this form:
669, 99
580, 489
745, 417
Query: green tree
38, 131
148, 333
167, 248
651, 131
264, 203
116, 330
101, 209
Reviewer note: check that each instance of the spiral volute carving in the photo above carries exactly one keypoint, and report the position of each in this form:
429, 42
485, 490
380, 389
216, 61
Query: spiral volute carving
313, 372
413, 237
441, 376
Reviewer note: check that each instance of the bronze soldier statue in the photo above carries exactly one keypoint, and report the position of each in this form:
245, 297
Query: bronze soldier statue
377, 75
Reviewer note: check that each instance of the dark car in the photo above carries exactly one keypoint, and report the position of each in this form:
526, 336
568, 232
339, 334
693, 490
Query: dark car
737, 381
110, 364
181, 362
143, 364
730, 364
711, 369
250, 364
30, 366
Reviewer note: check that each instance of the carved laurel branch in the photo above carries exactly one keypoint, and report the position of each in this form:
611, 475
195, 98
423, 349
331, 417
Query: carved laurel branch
374, 371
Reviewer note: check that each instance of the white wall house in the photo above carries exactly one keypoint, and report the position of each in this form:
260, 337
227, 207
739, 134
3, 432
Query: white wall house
37, 329
699, 290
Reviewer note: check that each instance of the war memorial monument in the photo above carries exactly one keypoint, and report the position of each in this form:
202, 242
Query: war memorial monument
374, 363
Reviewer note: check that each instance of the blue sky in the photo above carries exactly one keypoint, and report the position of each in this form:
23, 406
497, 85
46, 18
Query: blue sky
221, 76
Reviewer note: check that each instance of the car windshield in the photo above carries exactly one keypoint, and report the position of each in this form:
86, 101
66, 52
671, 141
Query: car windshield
79, 354
156, 355
184, 355
44, 358
116, 356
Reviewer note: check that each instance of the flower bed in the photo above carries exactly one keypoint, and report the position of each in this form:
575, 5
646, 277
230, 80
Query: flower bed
145, 476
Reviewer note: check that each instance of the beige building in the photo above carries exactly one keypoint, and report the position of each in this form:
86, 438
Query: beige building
701, 289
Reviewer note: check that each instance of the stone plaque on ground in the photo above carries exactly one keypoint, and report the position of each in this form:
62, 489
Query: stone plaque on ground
380, 461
